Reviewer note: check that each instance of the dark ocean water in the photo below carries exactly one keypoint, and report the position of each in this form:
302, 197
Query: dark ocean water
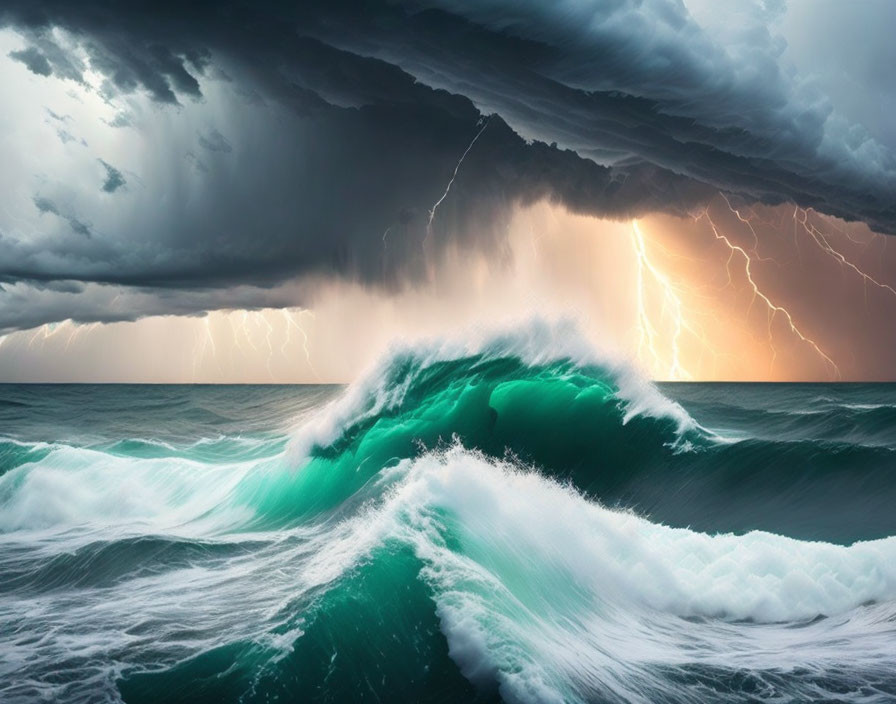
485, 525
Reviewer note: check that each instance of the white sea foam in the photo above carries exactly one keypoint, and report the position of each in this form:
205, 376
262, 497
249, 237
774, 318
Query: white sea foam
559, 598
73, 487
553, 596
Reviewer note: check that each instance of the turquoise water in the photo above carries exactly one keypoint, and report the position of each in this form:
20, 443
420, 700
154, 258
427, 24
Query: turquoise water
511, 521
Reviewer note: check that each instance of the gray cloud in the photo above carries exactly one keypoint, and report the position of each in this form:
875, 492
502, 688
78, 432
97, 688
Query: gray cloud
363, 111
29, 305
120, 120
45, 205
34, 60
613, 80
46, 57
214, 141
57, 117
114, 178
65, 136
321, 182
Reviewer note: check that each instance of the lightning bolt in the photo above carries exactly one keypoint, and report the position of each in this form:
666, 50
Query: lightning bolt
846, 233
772, 309
386, 249
247, 326
671, 304
801, 217
48, 330
38, 331
246, 331
205, 343
291, 322
208, 340
76, 332
269, 331
432, 211
748, 221
236, 339
210, 336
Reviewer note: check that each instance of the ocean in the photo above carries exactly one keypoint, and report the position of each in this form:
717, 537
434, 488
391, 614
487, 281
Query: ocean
514, 521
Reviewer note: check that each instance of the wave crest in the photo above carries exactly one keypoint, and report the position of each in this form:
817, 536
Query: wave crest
540, 353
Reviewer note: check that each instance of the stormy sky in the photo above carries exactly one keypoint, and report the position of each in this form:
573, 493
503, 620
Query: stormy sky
177, 159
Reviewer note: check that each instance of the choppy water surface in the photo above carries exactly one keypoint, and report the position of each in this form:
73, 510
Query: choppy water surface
509, 521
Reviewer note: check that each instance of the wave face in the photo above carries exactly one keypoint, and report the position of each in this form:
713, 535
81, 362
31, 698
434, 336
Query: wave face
511, 520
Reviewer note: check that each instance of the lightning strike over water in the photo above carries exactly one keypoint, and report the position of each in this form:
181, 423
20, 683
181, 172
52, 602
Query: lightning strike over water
772, 309
233, 329
671, 305
292, 323
40, 336
269, 331
206, 340
245, 319
244, 326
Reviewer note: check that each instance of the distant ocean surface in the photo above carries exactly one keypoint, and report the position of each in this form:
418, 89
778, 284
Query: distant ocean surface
510, 523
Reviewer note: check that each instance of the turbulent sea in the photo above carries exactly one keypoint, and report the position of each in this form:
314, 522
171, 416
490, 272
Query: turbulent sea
509, 521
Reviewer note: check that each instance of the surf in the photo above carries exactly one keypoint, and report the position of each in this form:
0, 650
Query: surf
542, 595
509, 518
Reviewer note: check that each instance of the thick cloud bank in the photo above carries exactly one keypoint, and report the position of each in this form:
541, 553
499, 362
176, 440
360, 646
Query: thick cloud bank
280, 141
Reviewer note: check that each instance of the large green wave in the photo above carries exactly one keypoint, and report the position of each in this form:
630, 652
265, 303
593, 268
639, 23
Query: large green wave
570, 420
610, 435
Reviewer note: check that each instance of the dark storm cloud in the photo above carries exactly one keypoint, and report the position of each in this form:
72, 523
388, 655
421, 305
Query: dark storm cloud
44, 56
367, 149
610, 79
382, 101
35, 61
327, 189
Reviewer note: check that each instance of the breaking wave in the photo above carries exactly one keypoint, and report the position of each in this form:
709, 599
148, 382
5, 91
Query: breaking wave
508, 520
